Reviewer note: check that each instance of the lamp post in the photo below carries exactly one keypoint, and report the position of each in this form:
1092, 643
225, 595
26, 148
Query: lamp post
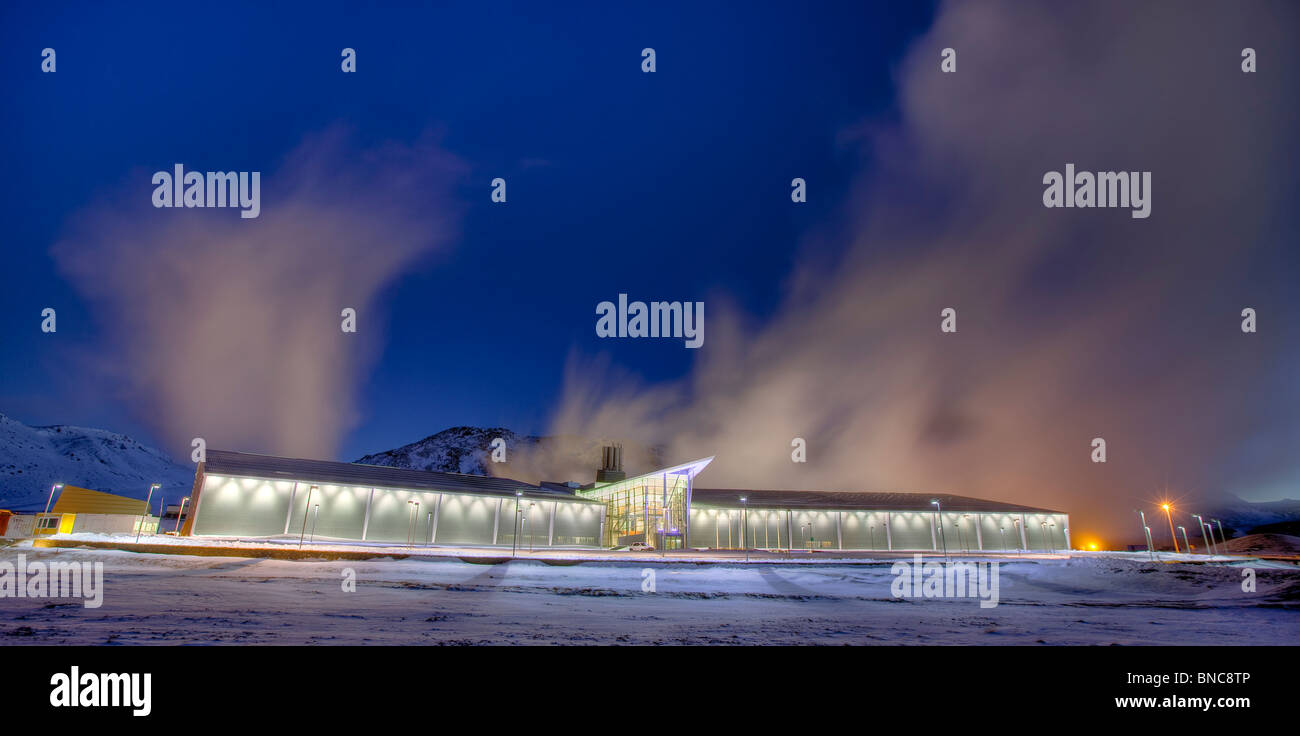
744, 520
303, 533
50, 500
1201, 521
531, 505
515, 542
414, 511
1146, 530
1214, 546
315, 516
1002, 530
1169, 515
1222, 538
147, 499
939, 514
1183, 529
1016, 524
179, 514
665, 521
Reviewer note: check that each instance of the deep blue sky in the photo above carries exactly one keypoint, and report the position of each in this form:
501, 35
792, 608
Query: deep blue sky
669, 185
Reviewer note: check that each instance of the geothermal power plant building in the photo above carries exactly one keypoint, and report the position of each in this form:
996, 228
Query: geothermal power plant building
245, 495
241, 495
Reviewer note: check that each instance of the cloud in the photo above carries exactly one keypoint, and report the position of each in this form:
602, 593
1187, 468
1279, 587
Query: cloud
228, 328
1072, 324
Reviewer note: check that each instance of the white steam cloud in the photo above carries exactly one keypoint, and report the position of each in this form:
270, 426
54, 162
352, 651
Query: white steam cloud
1072, 324
229, 329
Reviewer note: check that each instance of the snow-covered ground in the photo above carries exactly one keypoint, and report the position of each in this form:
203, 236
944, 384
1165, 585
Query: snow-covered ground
1097, 599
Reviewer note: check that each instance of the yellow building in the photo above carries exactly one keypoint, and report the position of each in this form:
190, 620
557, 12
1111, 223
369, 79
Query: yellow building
84, 510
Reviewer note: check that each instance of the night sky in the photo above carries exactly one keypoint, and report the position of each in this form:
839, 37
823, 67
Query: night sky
615, 178
822, 318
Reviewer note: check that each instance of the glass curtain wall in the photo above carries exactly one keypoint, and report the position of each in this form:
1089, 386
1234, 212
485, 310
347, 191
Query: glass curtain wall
649, 508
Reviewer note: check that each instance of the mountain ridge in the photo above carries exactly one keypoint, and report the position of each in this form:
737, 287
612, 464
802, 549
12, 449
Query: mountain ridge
33, 458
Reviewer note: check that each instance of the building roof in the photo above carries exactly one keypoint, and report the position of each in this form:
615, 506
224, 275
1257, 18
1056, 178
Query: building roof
74, 500
888, 501
602, 489
247, 465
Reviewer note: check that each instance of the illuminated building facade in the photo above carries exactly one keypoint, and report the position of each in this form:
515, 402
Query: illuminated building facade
242, 495
826, 520
257, 496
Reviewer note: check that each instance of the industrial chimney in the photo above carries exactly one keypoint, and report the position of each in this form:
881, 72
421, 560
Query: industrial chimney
611, 464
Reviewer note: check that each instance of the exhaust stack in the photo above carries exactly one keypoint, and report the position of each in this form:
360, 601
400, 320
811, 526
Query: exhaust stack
611, 464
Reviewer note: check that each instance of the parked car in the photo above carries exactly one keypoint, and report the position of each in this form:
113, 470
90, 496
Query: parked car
642, 547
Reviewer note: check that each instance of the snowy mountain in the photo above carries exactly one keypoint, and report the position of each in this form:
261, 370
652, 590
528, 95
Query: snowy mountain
1242, 516
453, 450
528, 457
34, 458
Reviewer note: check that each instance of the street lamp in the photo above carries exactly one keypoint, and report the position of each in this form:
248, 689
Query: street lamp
744, 520
1169, 515
413, 507
302, 534
1208, 545
179, 514
1183, 529
50, 500
531, 505
514, 548
1222, 538
1146, 530
314, 518
939, 514
147, 499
